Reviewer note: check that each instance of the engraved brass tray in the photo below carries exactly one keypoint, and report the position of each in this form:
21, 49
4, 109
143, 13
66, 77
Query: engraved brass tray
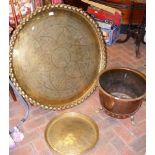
71, 133
56, 54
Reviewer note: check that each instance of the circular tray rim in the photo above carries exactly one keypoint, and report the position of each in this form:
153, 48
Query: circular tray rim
73, 114
102, 65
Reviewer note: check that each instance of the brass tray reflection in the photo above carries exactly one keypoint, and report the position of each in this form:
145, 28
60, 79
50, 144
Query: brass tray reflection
56, 54
71, 133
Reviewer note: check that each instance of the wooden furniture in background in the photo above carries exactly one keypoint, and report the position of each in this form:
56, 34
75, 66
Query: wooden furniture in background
102, 7
77, 3
137, 32
125, 7
11, 2
133, 14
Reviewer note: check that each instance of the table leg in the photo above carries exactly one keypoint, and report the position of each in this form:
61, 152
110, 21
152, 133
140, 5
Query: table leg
12, 93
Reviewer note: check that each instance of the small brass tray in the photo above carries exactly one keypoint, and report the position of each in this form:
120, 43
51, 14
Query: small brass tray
56, 54
71, 133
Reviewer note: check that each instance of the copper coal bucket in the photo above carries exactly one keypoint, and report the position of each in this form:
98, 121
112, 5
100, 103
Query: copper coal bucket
121, 91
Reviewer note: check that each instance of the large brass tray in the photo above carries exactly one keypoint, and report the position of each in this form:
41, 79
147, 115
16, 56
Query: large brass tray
56, 54
71, 133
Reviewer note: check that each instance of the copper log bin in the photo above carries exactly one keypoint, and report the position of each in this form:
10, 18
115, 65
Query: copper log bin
121, 91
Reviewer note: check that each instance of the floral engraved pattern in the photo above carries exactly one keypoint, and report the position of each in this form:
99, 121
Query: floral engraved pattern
56, 58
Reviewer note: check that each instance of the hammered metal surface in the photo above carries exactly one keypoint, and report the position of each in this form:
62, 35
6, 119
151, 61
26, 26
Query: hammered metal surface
57, 56
71, 133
